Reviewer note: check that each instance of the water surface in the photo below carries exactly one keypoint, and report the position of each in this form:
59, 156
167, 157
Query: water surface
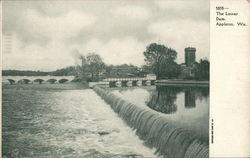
68, 123
187, 106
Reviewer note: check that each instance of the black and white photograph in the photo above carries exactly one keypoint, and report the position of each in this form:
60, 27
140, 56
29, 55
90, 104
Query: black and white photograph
105, 79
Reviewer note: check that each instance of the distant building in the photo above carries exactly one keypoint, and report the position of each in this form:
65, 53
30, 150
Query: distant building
187, 72
151, 76
188, 68
189, 56
123, 71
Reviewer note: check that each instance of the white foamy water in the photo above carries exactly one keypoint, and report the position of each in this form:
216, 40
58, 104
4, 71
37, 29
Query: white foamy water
87, 111
68, 123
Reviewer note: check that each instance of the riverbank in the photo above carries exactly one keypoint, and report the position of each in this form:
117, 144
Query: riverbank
182, 83
48, 86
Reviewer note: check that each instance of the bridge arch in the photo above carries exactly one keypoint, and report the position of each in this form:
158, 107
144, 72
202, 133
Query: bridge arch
118, 83
11, 81
52, 80
139, 83
39, 80
129, 83
24, 81
63, 80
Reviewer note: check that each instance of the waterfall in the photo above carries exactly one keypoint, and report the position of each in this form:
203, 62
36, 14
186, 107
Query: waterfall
169, 138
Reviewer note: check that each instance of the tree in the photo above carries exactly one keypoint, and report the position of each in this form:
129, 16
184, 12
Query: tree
170, 69
64, 71
123, 70
158, 57
202, 70
95, 65
108, 69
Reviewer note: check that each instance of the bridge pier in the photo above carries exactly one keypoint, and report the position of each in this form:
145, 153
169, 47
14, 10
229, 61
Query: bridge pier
152, 82
111, 83
134, 83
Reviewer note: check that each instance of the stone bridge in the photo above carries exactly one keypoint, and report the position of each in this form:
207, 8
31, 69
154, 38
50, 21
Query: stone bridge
36, 79
128, 82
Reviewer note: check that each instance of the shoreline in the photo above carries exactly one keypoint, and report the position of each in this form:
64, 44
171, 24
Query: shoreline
85, 85
46, 86
182, 83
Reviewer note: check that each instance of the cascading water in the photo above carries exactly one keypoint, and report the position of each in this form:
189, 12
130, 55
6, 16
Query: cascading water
168, 137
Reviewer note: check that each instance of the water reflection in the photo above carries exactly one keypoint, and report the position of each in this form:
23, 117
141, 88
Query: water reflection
163, 99
189, 98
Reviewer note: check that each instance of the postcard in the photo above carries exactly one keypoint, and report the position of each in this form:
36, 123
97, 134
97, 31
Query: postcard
125, 79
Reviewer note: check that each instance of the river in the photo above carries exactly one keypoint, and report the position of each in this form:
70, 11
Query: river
65, 123
186, 106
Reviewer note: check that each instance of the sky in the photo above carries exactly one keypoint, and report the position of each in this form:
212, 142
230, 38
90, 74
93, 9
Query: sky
49, 35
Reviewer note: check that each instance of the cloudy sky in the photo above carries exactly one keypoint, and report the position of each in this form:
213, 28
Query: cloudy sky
45, 35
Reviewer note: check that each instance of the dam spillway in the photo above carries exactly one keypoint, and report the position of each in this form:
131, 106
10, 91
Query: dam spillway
170, 138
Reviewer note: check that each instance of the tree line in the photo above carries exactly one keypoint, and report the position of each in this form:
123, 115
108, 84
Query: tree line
162, 61
68, 71
93, 68
159, 59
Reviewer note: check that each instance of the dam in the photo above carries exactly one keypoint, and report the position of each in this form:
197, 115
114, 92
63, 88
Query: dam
173, 120
138, 121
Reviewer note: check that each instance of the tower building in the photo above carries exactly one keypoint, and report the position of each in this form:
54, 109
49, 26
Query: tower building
190, 56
